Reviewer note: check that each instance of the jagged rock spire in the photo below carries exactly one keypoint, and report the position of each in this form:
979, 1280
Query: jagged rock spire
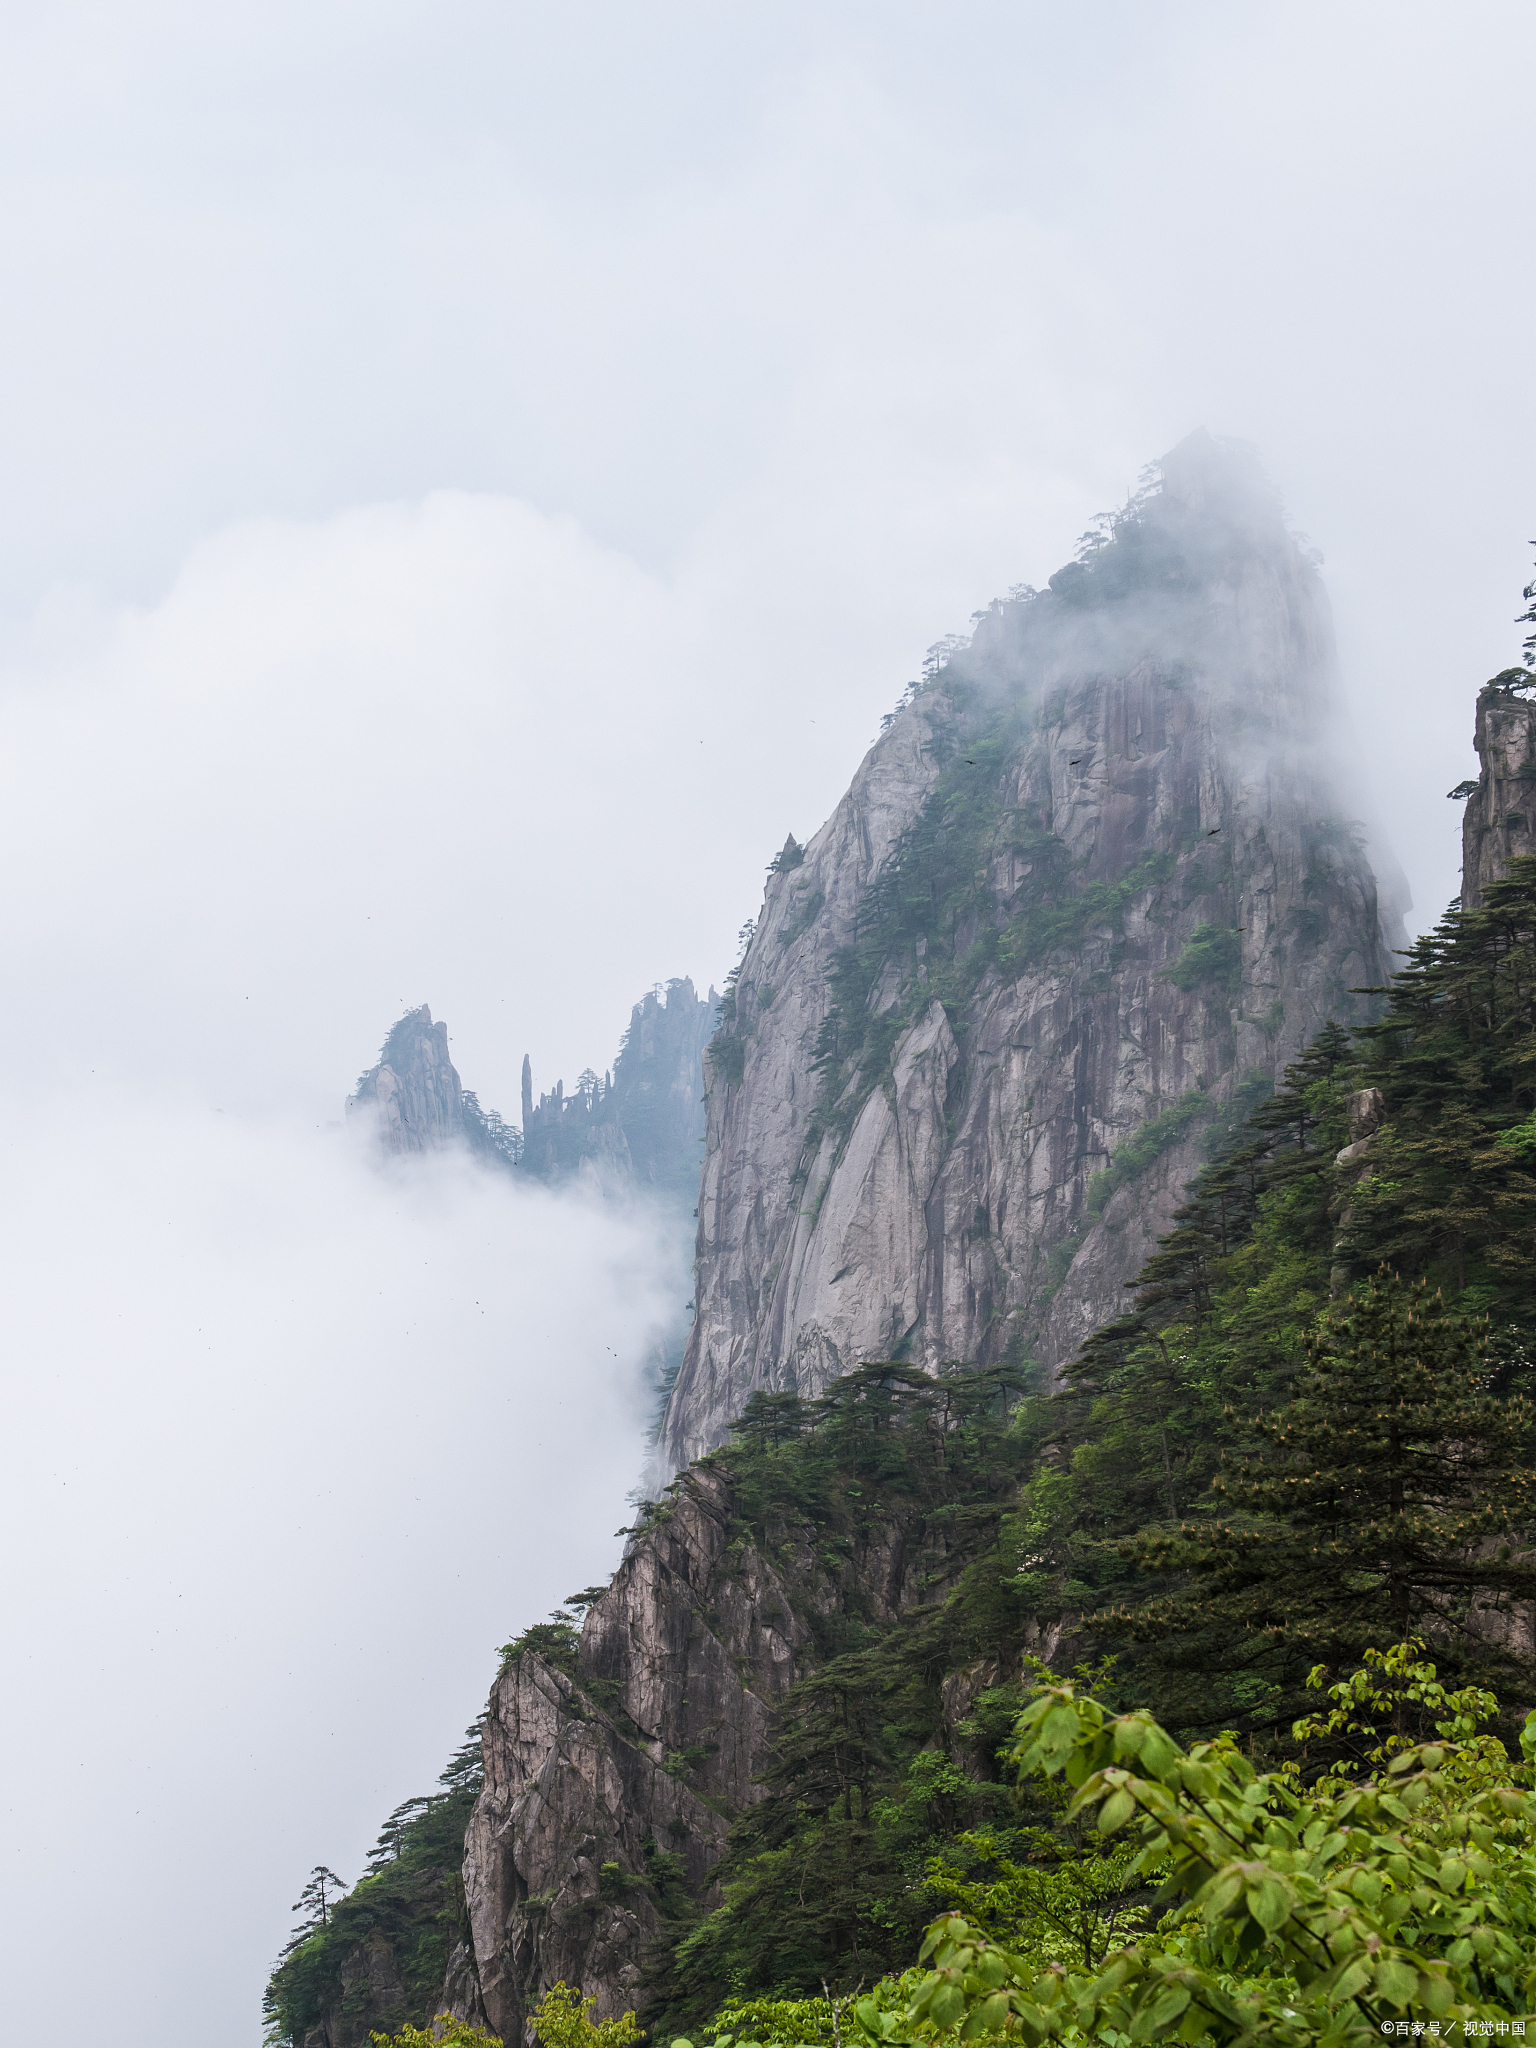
1095, 873
414, 1092
1500, 818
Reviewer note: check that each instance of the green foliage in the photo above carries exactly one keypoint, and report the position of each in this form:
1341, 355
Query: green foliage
563, 2019
1315, 1915
1280, 1225
445, 2032
939, 916
726, 1053
1254, 1468
776, 2023
1520, 1138
823, 1878
727, 1056
410, 1902
1212, 958
556, 1641
1397, 1686
1057, 924
1370, 1499
1455, 1055
488, 1133
1068, 1903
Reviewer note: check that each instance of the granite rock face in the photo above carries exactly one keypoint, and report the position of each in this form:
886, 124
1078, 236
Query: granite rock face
1499, 822
643, 1750
1168, 899
414, 1092
372, 1990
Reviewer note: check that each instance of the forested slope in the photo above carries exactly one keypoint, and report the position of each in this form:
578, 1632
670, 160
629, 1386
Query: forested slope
924, 1536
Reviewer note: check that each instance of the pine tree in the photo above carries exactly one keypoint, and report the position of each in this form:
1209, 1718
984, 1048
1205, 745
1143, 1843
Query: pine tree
314, 1902
465, 1772
1455, 1056
1370, 1507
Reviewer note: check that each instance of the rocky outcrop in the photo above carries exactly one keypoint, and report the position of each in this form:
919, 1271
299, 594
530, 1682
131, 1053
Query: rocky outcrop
1096, 874
609, 1782
413, 1094
372, 1994
639, 1126
1352, 1168
642, 1124
1500, 819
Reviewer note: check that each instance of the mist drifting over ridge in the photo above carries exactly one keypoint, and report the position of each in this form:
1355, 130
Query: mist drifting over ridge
1094, 880
472, 486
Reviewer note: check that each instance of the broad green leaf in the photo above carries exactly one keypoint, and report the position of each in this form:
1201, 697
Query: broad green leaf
1116, 1811
1269, 1902
1169, 2006
946, 2005
1396, 1981
1435, 1993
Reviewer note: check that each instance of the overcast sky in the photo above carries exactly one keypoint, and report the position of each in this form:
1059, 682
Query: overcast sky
474, 476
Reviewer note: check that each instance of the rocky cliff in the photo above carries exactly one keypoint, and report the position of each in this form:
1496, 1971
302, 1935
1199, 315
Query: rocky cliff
1100, 869
1094, 885
615, 1761
413, 1093
1500, 819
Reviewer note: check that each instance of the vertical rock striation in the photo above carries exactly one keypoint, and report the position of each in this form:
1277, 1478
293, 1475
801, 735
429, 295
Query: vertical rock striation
1500, 819
1097, 875
654, 1734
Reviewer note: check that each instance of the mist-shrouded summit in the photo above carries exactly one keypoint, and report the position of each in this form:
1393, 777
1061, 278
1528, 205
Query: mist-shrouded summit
1101, 875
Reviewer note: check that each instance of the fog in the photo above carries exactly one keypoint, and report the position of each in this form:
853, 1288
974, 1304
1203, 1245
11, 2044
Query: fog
475, 477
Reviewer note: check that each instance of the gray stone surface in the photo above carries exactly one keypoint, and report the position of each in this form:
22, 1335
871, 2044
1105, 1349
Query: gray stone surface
1189, 714
1500, 819
413, 1094
662, 1733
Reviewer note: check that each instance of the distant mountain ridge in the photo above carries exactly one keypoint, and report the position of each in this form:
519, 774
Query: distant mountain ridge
641, 1126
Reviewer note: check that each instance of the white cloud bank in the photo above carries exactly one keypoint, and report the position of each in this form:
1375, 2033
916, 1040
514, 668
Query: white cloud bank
293, 1441
292, 1444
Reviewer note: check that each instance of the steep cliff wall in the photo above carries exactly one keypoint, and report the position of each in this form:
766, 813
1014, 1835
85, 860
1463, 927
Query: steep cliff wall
1099, 871
413, 1092
658, 1729
614, 1767
1500, 819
